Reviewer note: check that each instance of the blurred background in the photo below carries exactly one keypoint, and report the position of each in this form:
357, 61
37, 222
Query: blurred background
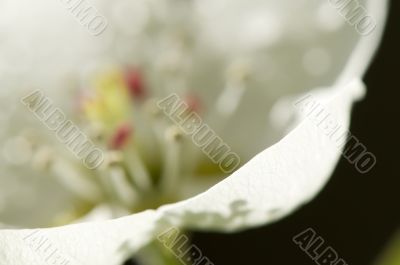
356, 214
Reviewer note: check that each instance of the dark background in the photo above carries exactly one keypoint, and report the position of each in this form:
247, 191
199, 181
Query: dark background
357, 214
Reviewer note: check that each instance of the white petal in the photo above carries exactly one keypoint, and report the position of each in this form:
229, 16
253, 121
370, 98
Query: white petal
89, 243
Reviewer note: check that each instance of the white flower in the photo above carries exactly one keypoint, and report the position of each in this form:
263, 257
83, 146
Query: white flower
244, 59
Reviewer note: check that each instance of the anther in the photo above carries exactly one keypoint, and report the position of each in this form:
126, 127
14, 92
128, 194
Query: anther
121, 137
174, 134
135, 83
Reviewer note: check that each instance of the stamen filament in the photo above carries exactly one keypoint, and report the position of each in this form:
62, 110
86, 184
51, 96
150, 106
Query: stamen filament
137, 170
229, 100
121, 187
172, 159
231, 96
76, 181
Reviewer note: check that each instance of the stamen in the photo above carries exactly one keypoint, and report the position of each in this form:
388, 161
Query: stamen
237, 76
115, 181
154, 115
121, 137
135, 83
229, 100
113, 158
172, 159
137, 170
135, 167
121, 187
76, 180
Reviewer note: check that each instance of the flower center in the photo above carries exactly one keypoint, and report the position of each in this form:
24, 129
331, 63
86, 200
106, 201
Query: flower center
147, 154
150, 159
